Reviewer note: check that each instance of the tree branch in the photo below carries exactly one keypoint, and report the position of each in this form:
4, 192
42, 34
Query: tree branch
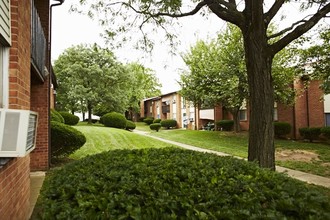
300, 30
273, 10
287, 29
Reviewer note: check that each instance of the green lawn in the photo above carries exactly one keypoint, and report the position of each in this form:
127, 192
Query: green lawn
236, 144
101, 139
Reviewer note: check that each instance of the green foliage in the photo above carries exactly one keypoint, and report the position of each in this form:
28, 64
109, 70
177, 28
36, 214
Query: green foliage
326, 132
69, 118
173, 183
168, 123
226, 125
157, 120
114, 119
141, 119
155, 126
65, 139
310, 133
281, 129
56, 116
130, 125
148, 120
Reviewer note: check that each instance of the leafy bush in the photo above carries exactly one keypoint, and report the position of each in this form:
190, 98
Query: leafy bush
226, 125
173, 183
69, 118
94, 121
141, 119
155, 126
130, 125
148, 120
326, 132
157, 120
65, 139
114, 119
168, 123
281, 129
310, 133
56, 116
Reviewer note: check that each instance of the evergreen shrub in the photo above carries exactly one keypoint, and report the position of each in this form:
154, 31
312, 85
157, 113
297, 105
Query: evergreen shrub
225, 125
281, 129
130, 125
157, 120
169, 123
69, 118
114, 120
56, 116
173, 183
326, 132
148, 120
65, 139
155, 126
311, 133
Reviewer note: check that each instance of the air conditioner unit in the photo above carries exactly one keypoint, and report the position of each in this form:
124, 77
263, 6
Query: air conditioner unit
18, 129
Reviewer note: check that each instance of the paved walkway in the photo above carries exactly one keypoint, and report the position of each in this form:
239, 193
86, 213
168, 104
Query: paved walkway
306, 177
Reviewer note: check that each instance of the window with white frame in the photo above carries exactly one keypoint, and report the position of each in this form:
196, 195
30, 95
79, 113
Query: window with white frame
4, 68
275, 112
243, 112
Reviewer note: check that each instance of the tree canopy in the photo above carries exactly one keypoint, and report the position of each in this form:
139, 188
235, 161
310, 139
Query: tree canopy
253, 17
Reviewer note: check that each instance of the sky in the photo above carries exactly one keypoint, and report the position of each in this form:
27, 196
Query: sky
69, 29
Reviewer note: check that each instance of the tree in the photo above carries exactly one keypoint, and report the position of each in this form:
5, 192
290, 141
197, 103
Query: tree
315, 60
219, 71
253, 17
88, 76
144, 84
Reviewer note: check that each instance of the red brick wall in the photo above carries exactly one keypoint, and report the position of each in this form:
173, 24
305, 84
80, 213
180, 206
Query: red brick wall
15, 189
14, 176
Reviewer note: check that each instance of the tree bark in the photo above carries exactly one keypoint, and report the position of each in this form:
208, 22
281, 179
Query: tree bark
235, 113
89, 109
261, 91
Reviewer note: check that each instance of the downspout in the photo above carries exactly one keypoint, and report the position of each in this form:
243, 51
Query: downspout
60, 2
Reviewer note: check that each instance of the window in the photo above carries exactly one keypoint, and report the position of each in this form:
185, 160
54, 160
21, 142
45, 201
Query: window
174, 116
4, 68
243, 112
275, 112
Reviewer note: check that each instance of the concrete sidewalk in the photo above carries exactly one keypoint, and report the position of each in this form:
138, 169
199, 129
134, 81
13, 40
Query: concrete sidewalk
306, 177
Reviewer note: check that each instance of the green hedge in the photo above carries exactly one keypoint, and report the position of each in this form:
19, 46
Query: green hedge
168, 123
225, 125
130, 125
326, 132
281, 129
56, 116
173, 183
155, 126
69, 118
148, 120
65, 139
114, 119
310, 133
157, 120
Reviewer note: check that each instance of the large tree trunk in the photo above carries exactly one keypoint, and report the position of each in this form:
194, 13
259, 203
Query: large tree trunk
261, 91
89, 109
235, 113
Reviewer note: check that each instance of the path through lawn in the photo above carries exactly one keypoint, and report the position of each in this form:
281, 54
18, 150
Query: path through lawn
101, 139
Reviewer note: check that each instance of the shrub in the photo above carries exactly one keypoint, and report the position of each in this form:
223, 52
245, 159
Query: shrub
56, 116
114, 119
130, 125
155, 126
168, 123
141, 119
281, 129
65, 139
148, 120
226, 125
310, 133
326, 132
69, 118
94, 121
157, 120
173, 183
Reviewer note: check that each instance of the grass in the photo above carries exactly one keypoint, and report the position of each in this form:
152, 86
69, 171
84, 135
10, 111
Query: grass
100, 139
236, 144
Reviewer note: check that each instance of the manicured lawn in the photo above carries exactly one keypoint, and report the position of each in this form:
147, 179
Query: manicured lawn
101, 139
236, 144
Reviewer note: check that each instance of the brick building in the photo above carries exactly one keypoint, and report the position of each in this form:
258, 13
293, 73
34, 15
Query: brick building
308, 110
25, 84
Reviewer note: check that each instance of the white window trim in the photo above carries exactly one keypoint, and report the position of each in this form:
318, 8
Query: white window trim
5, 75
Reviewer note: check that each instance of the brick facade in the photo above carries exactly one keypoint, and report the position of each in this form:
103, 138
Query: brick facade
25, 92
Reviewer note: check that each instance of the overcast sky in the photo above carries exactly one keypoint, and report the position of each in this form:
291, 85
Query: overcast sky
72, 29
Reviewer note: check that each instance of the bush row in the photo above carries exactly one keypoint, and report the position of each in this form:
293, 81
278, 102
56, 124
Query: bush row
173, 183
117, 120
